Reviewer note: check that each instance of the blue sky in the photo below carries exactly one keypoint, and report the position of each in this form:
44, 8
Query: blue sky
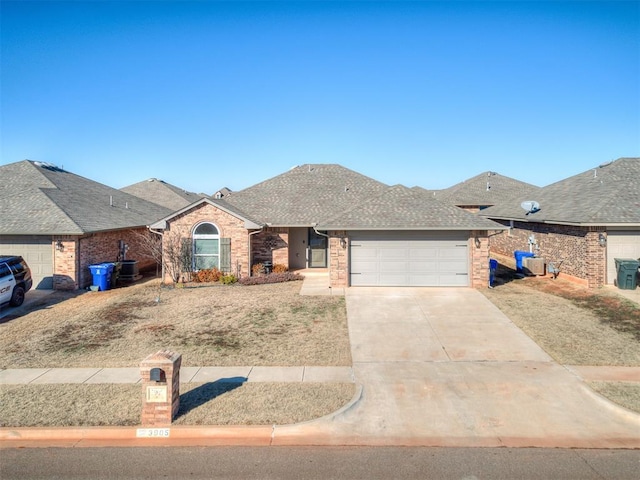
211, 94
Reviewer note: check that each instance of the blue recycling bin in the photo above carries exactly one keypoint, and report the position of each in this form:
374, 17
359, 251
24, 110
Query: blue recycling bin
101, 273
520, 254
493, 266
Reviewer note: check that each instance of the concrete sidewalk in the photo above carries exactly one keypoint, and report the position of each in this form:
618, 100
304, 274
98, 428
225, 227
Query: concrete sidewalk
39, 376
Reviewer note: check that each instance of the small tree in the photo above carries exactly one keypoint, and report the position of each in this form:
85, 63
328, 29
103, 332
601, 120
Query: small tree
150, 245
177, 256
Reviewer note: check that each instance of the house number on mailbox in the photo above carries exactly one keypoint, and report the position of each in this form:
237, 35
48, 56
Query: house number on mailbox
157, 394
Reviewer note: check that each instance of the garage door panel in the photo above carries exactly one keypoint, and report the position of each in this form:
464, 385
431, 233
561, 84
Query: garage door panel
38, 253
390, 255
409, 259
621, 244
393, 267
420, 267
454, 280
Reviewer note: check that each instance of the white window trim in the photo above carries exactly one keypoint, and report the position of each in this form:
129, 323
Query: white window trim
196, 236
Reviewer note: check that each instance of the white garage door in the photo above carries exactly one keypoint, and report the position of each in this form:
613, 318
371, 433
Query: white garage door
38, 253
420, 259
621, 244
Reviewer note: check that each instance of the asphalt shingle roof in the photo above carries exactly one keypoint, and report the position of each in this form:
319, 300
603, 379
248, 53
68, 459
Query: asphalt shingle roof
402, 208
305, 195
488, 188
162, 193
605, 195
40, 199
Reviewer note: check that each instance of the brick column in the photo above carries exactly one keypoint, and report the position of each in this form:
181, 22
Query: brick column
161, 396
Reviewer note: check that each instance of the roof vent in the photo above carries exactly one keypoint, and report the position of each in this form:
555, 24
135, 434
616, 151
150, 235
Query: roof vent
48, 166
606, 164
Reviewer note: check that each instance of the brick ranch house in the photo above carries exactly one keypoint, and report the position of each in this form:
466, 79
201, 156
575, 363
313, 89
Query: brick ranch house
325, 216
61, 223
583, 222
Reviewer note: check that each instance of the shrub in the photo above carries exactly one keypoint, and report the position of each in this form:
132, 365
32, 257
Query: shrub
280, 268
272, 278
207, 275
228, 279
258, 269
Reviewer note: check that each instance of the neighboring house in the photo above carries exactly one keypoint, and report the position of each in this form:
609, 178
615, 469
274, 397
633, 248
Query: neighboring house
162, 193
585, 222
223, 192
483, 190
326, 216
61, 223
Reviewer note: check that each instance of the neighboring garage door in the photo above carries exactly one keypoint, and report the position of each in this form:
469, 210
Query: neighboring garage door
420, 259
621, 244
38, 253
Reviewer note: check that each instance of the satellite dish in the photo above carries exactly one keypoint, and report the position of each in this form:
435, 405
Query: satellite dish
530, 206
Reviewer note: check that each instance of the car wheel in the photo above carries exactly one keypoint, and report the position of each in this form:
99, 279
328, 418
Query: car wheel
17, 297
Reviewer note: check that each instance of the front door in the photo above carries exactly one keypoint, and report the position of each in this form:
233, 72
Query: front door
317, 250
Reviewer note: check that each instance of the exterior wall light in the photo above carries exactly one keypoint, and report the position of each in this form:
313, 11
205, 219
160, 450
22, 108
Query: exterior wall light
59, 246
343, 242
602, 239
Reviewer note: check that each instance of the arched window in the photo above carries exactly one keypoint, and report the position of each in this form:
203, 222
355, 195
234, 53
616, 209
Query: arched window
206, 247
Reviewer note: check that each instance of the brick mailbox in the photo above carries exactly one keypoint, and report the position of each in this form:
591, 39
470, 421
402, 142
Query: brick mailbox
160, 388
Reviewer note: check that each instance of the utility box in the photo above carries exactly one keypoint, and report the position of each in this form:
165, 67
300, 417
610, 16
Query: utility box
626, 273
160, 374
534, 266
520, 255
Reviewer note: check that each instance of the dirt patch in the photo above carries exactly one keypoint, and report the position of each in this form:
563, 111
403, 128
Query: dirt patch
210, 325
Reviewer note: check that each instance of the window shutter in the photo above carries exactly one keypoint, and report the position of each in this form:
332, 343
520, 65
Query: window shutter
225, 255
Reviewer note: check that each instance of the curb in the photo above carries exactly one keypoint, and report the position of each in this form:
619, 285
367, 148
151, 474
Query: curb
233, 435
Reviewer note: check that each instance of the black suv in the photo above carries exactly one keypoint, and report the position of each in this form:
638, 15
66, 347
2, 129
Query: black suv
15, 280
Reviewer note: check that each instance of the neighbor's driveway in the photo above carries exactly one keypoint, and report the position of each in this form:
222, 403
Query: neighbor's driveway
443, 366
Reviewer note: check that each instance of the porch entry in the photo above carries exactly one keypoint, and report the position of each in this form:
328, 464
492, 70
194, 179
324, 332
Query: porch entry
317, 250
307, 249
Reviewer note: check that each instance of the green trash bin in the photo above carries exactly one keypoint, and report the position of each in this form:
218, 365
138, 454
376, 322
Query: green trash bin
626, 273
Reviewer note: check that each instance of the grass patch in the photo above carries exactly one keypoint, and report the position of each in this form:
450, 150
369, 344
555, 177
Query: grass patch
214, 403
625, 394
212, 325
573, 324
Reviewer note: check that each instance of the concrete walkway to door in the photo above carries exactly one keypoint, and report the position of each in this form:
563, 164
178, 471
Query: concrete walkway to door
443, 366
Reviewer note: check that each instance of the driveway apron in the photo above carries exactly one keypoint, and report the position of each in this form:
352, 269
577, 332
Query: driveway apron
444, 366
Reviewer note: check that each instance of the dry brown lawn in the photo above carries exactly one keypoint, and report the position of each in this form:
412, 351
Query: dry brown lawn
209, 325
575, 325
200, 404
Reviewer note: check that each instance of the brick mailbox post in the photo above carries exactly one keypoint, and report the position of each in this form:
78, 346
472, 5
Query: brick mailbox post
160, 388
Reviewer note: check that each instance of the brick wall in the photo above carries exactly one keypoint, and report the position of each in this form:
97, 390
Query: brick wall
338, 259
71, 264
576, 247
228, 227
271, 245
479, 259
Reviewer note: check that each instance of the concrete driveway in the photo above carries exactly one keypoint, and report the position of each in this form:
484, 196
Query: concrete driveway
443, 366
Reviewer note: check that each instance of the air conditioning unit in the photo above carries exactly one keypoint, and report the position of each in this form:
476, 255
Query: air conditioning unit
534, 265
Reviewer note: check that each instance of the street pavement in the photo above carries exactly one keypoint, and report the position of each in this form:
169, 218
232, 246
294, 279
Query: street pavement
433, 366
